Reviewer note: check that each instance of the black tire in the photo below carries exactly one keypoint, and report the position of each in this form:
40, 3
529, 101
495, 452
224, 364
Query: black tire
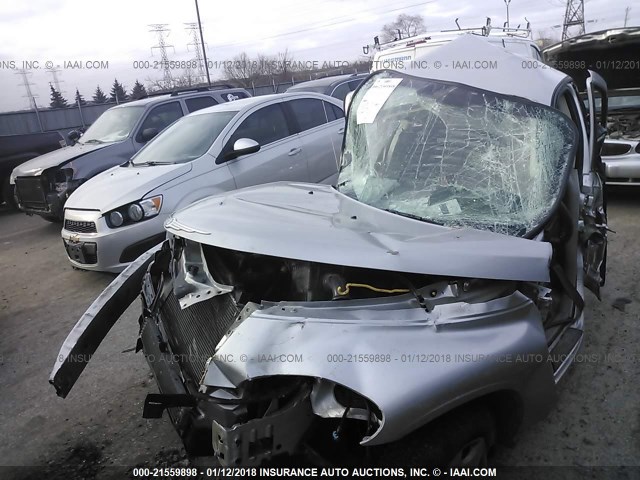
7, 194
52, 218
462, 438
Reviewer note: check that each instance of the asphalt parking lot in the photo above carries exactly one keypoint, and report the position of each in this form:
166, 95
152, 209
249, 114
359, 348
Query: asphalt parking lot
596, 422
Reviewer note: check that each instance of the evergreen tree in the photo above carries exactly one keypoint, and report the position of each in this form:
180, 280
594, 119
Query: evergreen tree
57, 100
118, 91
99, 96
138, 91
79, 99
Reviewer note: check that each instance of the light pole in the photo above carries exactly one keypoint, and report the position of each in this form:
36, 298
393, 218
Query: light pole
204, 52
506, 2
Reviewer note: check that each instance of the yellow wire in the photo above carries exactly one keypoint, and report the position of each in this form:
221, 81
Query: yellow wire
340, 291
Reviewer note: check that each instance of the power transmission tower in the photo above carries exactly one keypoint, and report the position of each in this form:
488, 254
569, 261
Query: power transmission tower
54, 74
195, 42
626, 15
160, 29
30, 95
31, 98
573, 16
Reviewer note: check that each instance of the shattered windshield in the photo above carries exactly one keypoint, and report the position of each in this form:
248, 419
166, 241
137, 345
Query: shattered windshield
454, 155
113, 125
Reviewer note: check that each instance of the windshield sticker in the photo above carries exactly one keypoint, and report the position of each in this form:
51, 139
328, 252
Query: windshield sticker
374, 99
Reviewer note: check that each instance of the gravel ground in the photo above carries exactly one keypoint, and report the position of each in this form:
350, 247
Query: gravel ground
596, 422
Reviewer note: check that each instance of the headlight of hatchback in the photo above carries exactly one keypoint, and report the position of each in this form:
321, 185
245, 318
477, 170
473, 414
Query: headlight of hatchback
134, 212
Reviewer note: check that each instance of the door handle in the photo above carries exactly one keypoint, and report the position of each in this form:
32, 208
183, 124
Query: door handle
341, 131
294, 151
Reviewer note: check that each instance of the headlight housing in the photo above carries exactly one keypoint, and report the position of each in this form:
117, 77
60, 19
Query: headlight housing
63, 180
134, 212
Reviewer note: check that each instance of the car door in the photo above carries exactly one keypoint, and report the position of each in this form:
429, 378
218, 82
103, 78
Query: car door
280, 157
318, 136
594, 233
159, 117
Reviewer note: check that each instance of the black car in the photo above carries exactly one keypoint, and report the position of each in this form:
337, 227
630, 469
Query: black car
337, 86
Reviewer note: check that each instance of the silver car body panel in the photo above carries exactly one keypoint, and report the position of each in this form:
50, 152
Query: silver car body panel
478, 348
623, 169
292, 221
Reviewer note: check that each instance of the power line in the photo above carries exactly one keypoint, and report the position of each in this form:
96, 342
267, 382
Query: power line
333, 22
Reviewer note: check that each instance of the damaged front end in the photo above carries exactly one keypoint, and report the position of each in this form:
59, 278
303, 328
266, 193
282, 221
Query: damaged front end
445, 271
260, 357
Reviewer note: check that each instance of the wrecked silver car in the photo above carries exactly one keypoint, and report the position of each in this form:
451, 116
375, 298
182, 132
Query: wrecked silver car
440, 283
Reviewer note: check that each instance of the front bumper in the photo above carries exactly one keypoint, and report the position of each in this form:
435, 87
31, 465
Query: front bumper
108, 249
34, 198
623, 169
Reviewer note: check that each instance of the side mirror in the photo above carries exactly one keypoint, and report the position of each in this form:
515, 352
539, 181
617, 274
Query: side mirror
73, 136
347, 102
243, 146
148, 134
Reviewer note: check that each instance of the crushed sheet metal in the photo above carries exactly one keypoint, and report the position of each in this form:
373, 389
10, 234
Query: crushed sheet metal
95, 323
294, 220
192, 281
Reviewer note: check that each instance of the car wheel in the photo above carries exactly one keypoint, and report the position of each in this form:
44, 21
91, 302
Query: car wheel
462, 438
7, 194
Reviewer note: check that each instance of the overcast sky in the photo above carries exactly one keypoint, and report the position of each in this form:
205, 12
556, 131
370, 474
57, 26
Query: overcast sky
61, 31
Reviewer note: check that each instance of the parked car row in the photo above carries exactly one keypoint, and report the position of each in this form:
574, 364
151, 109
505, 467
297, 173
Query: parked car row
118, 215
430, 301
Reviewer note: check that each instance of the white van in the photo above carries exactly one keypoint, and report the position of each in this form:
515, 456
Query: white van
400, 53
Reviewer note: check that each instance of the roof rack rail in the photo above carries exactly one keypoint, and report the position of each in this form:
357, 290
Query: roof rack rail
180, 91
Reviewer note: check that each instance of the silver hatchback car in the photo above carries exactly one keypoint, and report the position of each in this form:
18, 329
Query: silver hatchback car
116, 216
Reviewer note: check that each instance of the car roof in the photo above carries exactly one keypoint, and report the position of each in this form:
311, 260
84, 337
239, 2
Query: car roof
165, 97
508, 76
246, 103
327, 81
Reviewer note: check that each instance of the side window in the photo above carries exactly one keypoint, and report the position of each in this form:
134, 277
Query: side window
231, 96
265, 126
160, 117
353, 84
309, 112
333, 112
199, 103
339, 113
341, 91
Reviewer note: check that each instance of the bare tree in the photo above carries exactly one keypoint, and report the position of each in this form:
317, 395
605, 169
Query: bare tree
409, 25
242, 69
544, 38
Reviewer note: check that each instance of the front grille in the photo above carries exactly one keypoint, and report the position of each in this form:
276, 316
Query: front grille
80, 227
613, 149
31, 192
195, 331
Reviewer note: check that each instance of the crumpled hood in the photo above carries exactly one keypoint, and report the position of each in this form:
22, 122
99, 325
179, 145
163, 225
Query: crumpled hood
319, 224
37, 165
607, 52
121, 185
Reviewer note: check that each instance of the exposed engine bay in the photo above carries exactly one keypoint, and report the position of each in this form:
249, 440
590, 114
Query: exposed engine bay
624, 125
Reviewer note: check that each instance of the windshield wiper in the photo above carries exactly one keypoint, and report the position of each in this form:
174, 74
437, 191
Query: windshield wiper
93, 140
152, 163
415, 217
